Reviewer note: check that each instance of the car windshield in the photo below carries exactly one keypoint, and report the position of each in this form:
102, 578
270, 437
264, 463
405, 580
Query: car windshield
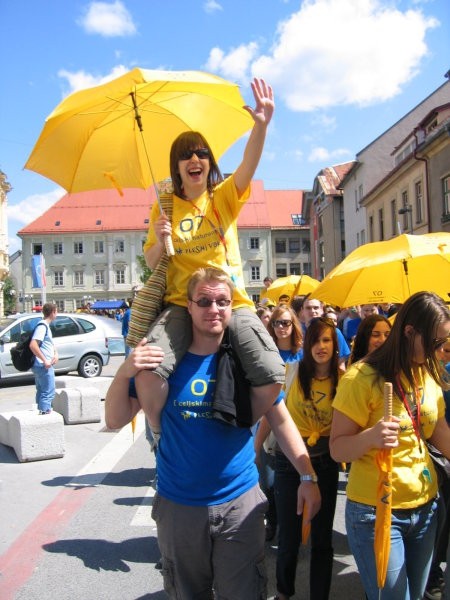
5, 322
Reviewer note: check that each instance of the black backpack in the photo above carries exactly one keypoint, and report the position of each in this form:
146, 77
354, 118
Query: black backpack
21, 355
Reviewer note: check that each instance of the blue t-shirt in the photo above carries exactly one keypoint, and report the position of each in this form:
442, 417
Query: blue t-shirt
201, 461
344, 350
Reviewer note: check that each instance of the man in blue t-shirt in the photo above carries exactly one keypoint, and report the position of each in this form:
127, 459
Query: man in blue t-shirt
43, 348
209, 508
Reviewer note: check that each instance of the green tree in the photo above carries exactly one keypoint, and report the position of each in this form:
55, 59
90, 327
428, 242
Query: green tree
146, 271
9, 296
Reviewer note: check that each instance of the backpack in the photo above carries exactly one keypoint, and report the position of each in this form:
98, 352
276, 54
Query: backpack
21, 355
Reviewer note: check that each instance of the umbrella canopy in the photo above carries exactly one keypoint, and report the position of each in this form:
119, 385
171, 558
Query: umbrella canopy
382, 540
292, 285
120, 133
390, 271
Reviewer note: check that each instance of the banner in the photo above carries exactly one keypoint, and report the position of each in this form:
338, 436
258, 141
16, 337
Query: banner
38, 271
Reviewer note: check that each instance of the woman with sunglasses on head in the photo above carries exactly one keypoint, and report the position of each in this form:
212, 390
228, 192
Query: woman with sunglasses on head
204, 232
409, 360
372, 332
308, 401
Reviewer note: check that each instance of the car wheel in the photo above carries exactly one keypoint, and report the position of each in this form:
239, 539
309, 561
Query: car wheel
90, 366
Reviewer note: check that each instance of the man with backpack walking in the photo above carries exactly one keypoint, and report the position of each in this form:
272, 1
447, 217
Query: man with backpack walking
46, 356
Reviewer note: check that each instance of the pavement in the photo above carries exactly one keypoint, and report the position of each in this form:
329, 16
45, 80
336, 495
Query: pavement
80, 527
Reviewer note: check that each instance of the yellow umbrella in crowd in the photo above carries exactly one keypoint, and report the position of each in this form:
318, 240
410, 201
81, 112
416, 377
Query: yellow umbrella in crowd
292, 285
382, 541
390, 271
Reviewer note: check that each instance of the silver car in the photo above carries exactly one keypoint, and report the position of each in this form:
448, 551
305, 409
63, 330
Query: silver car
83, 342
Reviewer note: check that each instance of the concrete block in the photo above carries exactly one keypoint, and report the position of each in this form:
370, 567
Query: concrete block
4, 428
100, 383
36, 437
78, 405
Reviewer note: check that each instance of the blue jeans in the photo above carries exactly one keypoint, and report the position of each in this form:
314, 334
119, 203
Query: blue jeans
287, 481
45, 385
413, 533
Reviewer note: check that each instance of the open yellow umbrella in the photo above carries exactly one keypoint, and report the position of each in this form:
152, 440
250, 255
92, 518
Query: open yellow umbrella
292, 285
390, 271
382, 541
120, 133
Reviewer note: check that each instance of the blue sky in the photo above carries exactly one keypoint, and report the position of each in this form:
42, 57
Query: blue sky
343, 71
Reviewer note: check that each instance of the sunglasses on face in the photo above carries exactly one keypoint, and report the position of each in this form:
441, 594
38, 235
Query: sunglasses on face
221, 303
439, 342
282, 323
199, 153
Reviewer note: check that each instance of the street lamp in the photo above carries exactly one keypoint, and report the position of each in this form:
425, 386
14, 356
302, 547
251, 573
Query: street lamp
407, 210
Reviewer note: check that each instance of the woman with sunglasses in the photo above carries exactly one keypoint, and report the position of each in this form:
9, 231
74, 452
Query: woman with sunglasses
205, 210
372, 332
410, 360
308, 401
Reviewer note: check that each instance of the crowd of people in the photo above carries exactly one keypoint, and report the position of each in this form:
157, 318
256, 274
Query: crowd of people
214, 377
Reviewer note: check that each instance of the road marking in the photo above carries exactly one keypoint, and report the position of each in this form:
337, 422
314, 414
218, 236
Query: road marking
18, 563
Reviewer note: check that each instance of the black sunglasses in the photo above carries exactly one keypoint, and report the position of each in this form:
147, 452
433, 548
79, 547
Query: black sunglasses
282, 323
221, 303
199, 153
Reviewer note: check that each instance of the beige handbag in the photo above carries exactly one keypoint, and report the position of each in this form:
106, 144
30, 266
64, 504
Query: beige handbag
148, 304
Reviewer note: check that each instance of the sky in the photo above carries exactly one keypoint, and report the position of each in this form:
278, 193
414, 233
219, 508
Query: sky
343, 72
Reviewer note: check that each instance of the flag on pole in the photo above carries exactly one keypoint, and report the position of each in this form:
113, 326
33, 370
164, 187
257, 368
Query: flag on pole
38, 271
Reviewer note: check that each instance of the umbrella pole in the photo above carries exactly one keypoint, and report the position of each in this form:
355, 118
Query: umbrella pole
168, 239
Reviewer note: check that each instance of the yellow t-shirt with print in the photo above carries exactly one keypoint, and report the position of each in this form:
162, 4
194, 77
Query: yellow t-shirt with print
198, 241
360, 397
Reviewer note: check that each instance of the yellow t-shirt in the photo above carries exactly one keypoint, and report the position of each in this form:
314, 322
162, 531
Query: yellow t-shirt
197, 241
360, 397
312, 416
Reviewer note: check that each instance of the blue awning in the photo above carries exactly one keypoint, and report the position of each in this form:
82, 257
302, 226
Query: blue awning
108, 305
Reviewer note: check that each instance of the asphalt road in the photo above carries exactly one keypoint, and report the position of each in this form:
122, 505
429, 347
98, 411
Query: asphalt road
80, 527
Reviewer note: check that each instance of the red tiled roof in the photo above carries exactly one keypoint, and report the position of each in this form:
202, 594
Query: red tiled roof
106, 210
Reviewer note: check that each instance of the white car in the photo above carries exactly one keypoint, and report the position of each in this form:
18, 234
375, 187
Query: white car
83, 342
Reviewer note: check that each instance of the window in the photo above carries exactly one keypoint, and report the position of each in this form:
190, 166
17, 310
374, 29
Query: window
253, 243
57, 248
294, 269
281, 270
381, 223
99, 277
58, 278
363, 236
64, 326
371, 228
307, 268
306, 246
99, 247
297, 219
294, 246
255, 273
394, 216
360, 193
418, 198
120, 275
255, 298
78, 278
405, 205
280, 246
446, 196
38, 249
119, 246
356, 201
321, 252
78, 247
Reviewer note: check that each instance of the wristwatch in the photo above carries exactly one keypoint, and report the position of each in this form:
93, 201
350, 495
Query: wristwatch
313, 477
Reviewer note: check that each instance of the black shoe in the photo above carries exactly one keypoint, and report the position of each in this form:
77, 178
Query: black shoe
270, 532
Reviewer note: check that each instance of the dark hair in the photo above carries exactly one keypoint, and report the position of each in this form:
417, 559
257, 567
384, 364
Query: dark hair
362, 337
297, 303
423, 312
48, 309
296, 334
189, 140
307, 366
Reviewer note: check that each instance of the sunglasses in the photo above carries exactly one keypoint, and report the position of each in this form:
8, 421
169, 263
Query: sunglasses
199, 153
439, 342
221, 303
282, 323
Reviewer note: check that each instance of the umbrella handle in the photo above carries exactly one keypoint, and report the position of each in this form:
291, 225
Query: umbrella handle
388, 401
169, 245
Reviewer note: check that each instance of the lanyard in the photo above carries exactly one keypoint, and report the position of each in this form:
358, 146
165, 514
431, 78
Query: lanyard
414, 419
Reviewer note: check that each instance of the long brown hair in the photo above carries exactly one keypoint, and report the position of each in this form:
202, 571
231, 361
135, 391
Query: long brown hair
296, 333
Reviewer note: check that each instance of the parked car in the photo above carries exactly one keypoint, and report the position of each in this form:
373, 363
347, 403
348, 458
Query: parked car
83, 342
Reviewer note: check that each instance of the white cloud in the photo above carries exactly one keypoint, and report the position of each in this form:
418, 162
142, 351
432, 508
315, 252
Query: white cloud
32, 207
320, 154
80, 80
211, 6
324, 121
108, 19
234, 65
337, 52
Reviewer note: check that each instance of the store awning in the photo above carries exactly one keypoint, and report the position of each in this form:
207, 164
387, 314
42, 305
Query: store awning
108, 305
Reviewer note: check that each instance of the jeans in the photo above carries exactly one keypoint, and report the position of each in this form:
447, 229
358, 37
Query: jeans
412, 540
45, 385
287, 481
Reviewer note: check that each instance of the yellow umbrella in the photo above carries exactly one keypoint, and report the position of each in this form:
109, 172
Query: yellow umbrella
382, 541
292, 285
390, 271
120, 133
